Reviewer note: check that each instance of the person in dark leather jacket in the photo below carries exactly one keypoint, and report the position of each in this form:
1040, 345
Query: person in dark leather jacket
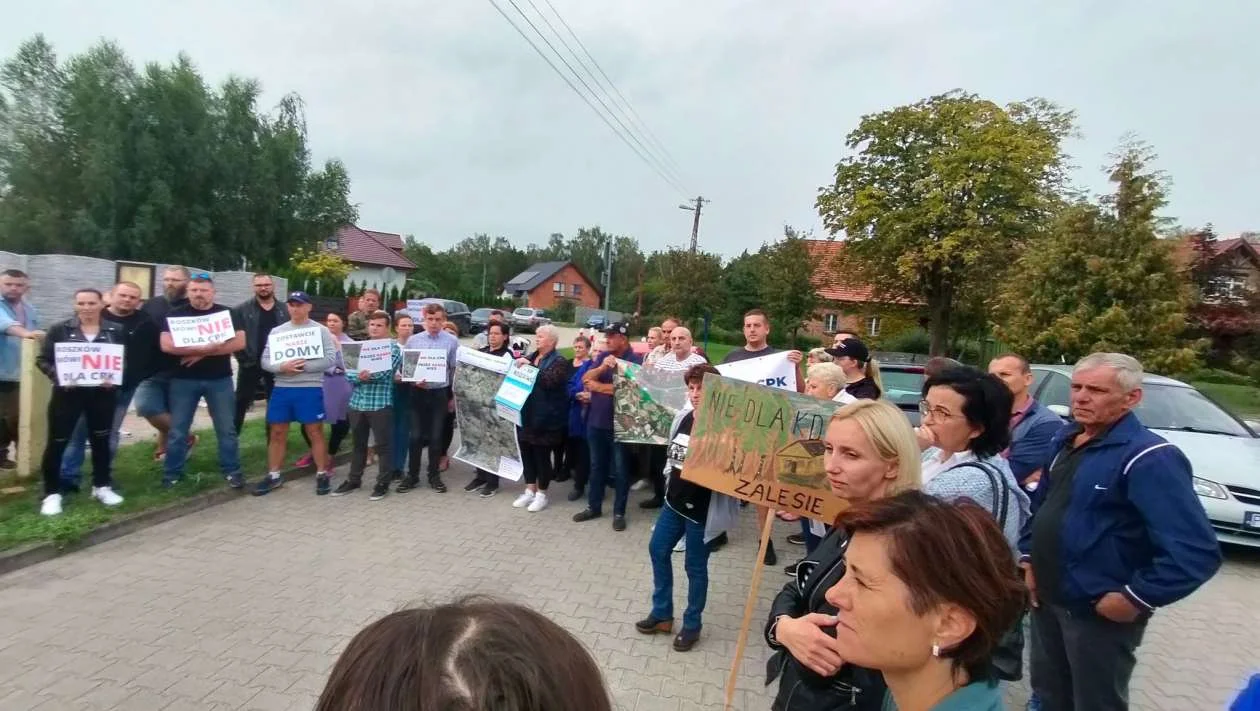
871, 453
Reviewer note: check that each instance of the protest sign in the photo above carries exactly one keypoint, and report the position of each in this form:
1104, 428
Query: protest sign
486, 441
426, 365
207, 330
516, 387
88, 364
645, 401
375, 356
414, 306
774, 370
763, 445
295, 344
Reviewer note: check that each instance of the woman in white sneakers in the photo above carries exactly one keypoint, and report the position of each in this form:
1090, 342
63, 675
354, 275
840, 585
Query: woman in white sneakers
544, 419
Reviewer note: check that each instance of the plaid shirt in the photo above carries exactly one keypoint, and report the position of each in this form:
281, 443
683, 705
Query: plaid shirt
378, 392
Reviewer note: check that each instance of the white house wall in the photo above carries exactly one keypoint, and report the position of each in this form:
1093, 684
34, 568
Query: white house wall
372, 275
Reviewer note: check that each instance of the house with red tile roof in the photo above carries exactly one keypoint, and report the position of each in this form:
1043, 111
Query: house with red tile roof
848, 306
377, 257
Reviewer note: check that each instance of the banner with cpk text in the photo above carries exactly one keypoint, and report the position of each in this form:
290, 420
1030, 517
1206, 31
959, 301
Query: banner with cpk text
774, 371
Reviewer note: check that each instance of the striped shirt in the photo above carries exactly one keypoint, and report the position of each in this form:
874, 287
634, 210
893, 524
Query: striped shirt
378, 392
670, 363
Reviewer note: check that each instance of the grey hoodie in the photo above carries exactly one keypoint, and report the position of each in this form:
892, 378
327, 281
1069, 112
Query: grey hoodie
313, 375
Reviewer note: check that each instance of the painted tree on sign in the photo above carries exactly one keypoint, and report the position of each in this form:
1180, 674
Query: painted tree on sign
1100, 279
941, 194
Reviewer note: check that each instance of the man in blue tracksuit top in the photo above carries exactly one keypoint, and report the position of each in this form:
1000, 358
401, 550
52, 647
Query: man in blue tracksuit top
1116, 532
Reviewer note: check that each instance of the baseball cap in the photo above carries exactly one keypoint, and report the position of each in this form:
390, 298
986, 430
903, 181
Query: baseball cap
851, 348
617, 327
298, 297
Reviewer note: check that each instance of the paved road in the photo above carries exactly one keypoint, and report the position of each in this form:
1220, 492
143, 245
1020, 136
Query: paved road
246, 606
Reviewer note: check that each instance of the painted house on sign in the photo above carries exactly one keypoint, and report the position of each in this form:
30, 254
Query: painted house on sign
801, 463
546, 284
377, 257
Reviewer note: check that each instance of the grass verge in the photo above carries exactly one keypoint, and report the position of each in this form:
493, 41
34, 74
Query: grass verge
1242, 400
139, 479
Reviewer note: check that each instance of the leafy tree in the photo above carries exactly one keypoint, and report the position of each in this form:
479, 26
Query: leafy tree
686, 284
101, 159
1100, 279
321, 264
786, 287
742, 278
941, 195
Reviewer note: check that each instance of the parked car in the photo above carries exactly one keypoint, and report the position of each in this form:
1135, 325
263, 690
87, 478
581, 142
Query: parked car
527, 319
1223, 450
597, 320
481, 317
456, 312
903, 387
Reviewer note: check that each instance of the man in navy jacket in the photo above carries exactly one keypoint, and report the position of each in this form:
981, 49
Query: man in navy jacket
1116, 532
1032, 425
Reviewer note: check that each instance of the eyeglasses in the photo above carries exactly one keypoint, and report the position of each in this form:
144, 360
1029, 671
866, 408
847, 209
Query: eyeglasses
938, 413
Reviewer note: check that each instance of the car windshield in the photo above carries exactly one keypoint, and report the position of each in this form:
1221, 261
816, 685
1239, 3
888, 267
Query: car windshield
1169, 407
483, 313
523, 312
903, 387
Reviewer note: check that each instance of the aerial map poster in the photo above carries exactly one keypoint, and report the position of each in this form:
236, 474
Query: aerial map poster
645, 400
486, 440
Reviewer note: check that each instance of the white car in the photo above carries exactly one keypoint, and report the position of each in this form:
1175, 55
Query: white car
1223, 450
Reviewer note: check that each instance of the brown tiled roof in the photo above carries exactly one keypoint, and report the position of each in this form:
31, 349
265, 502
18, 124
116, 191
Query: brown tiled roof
830, 285
363, 247
389, 239
1183, 253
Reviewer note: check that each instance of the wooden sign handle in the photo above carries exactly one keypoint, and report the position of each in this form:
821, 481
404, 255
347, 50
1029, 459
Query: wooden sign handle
749, 606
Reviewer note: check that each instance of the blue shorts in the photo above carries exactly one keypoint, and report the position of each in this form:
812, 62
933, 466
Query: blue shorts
153, 396
304, 405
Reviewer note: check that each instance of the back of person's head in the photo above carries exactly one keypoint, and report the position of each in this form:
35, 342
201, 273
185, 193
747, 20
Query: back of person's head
986, 405
476, 654
938, 364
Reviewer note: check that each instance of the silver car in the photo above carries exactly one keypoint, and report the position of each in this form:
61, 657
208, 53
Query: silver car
1223, 450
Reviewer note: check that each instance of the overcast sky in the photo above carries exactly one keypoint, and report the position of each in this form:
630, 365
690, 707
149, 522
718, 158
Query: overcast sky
451, 125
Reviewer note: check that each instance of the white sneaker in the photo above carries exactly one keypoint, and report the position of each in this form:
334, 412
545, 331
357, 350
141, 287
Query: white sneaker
525, 499
538, 504
51, 505
639, 485
681, 545
106, 495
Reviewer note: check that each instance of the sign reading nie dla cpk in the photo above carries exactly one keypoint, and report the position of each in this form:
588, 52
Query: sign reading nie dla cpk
207, 330
88, 364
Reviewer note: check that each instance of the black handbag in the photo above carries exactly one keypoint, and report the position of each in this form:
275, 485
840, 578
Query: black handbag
1008, 656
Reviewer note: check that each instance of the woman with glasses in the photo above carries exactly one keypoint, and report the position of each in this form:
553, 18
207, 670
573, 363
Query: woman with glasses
966, 425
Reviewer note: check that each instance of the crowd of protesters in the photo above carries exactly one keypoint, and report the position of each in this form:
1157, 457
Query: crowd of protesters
1079, 530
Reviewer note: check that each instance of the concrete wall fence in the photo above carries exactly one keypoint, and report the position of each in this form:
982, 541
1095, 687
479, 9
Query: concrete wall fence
55, 277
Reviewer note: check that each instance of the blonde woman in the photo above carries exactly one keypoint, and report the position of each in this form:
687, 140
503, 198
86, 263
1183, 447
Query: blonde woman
818, 355
871, 453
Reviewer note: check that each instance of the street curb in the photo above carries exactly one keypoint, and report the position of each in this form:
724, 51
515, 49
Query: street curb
26, 556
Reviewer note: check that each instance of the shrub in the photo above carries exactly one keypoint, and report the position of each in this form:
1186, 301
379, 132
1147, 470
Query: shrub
912, 341
1225, 377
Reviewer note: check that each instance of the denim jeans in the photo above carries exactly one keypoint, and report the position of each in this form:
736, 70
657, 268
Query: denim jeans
670, 527
401, 442
607, 454
76, 449
221, 401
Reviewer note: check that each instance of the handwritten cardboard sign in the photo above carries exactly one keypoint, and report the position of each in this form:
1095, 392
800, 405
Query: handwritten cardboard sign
763, 445
295, 344
88, 364
207, 330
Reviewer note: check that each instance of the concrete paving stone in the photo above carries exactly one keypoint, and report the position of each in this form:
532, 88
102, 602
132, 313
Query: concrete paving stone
249, 604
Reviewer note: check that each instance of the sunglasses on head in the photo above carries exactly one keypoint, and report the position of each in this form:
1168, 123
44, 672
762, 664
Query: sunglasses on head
201, 276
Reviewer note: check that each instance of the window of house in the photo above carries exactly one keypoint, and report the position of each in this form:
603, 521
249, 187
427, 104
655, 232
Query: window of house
558, 287
831, 322
1229, 288
577, 289
872, 326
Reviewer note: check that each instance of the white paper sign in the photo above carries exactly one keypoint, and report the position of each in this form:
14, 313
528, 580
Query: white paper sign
207, 330
516, 387
297, 344
774, 370
425, 364
376, 356
511, 469
498, 364
88, 364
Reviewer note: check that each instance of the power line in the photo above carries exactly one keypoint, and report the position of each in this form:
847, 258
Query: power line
631, 141
632, 114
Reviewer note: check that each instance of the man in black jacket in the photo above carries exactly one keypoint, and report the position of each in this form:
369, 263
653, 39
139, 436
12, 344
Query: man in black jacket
153, 396
257, 316
140, 336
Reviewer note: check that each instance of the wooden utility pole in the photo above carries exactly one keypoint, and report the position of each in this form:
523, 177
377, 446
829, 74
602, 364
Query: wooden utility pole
695, 207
